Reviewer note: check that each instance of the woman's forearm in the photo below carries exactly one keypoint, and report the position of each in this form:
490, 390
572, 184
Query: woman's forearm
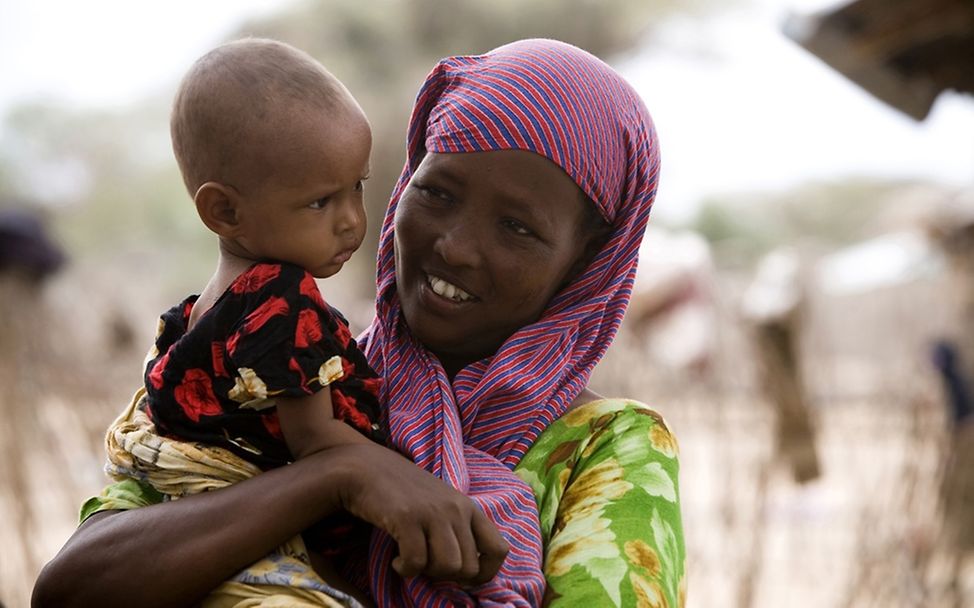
174, 553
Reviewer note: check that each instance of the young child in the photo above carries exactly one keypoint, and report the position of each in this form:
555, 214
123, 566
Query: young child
274, 151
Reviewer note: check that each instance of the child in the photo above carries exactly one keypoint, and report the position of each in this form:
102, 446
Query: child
274, 151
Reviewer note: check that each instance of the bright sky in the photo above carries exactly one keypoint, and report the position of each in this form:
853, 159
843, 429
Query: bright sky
737, 105
108, 52
741, 108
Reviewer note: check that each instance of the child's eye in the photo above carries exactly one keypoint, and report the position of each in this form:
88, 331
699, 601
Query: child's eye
319, 203
360, 184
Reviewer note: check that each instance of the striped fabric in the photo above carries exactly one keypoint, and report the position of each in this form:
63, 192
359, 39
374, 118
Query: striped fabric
556, 100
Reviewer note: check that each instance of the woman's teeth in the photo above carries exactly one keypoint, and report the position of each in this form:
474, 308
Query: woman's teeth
447, 290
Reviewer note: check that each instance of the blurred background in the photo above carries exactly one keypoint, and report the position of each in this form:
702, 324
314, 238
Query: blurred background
804, 313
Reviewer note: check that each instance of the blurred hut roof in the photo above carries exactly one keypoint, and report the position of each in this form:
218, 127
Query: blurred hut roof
905, 52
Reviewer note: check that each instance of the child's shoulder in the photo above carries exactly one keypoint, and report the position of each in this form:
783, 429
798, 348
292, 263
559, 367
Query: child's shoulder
269, 276
281, 269
275, 280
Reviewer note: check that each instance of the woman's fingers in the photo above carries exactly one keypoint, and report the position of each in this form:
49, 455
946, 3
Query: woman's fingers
491, 546
445, 558
456, 544
440, 532
469, 556
413, 556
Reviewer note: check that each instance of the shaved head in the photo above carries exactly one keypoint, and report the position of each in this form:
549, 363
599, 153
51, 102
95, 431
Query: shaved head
236, 97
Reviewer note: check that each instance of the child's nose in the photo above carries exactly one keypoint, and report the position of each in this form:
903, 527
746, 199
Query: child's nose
351, 216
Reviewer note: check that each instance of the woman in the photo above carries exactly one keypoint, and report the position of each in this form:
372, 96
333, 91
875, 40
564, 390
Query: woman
505, 266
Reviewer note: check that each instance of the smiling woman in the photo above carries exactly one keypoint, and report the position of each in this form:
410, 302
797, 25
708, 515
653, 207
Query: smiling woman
529, 178
506, 261
477, 252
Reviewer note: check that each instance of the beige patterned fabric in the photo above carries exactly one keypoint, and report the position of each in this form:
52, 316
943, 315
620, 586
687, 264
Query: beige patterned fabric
177, 468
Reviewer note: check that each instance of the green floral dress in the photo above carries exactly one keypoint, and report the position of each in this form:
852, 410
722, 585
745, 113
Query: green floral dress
606, 479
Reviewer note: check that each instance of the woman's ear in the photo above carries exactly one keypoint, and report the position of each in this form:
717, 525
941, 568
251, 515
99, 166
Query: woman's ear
593, 232
596, 233
218, 206
592, 247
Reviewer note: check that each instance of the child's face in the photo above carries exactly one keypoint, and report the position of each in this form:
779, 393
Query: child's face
310, 210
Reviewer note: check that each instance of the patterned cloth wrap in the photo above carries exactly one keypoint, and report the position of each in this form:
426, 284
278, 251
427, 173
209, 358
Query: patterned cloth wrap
560, 102
180, 468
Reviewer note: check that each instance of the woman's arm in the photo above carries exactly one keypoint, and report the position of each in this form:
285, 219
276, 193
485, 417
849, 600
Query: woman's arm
606, 478
174, 553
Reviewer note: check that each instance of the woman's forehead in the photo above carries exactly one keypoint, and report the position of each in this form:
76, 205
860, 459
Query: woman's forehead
516, 178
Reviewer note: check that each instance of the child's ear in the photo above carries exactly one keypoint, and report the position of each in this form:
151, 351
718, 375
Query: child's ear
218, 207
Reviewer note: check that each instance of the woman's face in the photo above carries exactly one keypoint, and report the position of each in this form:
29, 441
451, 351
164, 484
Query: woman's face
483, 241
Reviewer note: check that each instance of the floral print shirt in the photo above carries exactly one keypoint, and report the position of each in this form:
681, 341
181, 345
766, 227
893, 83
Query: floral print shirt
270, 334
606, 478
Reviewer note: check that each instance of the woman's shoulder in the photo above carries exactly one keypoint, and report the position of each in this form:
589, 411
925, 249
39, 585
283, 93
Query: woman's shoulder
590, 406
581, 413
605, 425
622, 414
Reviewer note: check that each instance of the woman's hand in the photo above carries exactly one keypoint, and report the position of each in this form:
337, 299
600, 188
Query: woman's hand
440, 532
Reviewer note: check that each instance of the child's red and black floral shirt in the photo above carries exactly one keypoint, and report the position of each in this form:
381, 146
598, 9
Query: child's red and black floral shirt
269, 335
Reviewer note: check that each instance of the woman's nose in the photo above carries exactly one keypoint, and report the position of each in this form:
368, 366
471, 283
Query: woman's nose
458, 245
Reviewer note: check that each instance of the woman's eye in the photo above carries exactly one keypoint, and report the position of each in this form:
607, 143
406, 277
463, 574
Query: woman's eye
433, 193
359, 186
518, 228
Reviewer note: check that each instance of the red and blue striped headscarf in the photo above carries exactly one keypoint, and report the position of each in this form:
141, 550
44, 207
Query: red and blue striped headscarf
560, 102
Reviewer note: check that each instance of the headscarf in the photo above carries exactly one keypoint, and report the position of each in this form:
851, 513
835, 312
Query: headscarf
563, 103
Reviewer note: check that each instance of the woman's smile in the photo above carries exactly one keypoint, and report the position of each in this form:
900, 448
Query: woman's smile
448, 290
473, 266
444, 299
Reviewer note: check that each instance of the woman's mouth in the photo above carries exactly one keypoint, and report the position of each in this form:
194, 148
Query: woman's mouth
447, 290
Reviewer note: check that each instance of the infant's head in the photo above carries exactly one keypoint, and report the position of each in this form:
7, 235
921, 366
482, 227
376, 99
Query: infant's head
241, 102
273, 149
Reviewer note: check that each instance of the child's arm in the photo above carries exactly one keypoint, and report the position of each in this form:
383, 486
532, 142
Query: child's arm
309, 424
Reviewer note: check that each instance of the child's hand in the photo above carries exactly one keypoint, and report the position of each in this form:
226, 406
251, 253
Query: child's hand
440, 532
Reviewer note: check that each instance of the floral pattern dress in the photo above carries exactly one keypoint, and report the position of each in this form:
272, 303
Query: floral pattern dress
605, 477
270, 334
